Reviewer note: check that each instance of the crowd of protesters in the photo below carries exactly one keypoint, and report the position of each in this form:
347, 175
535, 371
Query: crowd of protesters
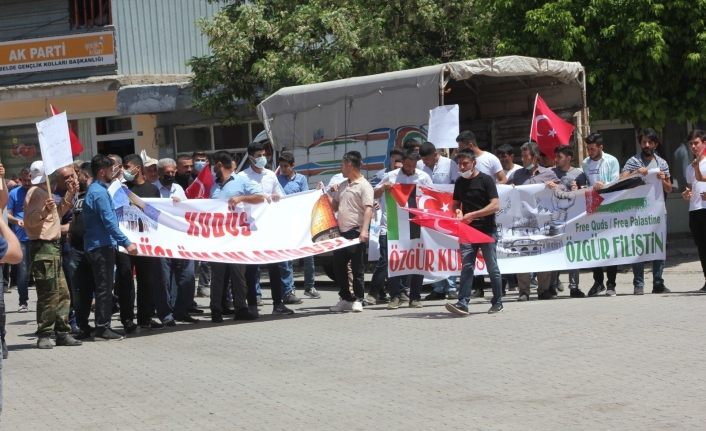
64, 235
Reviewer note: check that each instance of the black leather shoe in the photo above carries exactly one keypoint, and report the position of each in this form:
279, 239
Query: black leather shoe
129, 327
228, 311
216, 318
547, 294
660, 288
244, 314
186, 319
596, 289
435, 296
575, 292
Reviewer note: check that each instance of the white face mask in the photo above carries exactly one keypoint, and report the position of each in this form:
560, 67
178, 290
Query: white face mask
467, 174
260, 162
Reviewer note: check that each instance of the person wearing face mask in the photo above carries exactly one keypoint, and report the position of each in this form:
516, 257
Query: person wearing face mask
15, 217
640, 164
151, 288
259, 174
101, 238
695, 193
533, 173
203, 290
237, 190
178, 273
476, 202
409, 173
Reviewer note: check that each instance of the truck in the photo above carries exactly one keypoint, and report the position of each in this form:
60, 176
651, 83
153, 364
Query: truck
373, 114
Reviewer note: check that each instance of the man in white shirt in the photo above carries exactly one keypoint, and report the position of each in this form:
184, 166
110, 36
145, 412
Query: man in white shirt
695, 193
486, 162
407, 174
442, 170
259, 174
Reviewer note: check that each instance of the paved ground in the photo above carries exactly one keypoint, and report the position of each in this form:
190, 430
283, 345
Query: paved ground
598, 363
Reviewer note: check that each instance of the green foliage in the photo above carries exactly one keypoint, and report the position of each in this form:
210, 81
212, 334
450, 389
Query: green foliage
259, 46
645, 59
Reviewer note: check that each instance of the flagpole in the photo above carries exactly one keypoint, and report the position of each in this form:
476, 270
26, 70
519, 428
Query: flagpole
534, 110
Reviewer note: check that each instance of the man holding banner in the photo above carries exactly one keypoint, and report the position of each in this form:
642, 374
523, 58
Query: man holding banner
476, 202
42, 223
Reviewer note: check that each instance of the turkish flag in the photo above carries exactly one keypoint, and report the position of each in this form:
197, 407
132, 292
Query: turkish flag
436, 201
76, 147
201, 187
450, 226
548, 129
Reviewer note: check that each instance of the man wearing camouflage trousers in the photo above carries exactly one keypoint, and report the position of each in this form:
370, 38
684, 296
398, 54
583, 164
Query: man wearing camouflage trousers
42, 223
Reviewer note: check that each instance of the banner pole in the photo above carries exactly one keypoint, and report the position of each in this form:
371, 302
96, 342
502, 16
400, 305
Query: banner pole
534, 111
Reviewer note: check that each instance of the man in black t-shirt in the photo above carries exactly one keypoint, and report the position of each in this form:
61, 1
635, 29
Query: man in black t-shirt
151, 287
476, 202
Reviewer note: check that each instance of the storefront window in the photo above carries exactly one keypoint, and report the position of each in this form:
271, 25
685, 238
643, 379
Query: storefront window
192, 139
19, 147
110, 125
231, 137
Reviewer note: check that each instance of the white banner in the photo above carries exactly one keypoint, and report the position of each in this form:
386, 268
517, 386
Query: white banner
540, 230
443, 126
298, 225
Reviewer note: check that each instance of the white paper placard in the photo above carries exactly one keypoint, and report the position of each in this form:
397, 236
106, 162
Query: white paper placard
55, 142
443, 126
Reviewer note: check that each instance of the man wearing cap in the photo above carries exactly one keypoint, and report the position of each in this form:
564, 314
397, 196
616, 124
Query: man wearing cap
150, 164
42, 224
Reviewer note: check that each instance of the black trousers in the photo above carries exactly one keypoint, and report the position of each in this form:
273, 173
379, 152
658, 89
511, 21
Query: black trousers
226, 276
275, 283
148, 273
611, 273
124, 287
102, 262
354, 254
697, 226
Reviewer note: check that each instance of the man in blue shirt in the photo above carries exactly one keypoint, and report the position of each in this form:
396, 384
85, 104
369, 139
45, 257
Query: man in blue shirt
100, 239
293, 182
236, 189
15, 217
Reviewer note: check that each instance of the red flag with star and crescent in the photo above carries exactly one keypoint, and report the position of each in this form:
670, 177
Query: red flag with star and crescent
549, 130
202, 185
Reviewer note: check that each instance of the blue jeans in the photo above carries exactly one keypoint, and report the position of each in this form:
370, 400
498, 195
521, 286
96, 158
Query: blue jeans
445, 286
287, 271
180, 277
638, 273
23, 273
468, 255
309, 272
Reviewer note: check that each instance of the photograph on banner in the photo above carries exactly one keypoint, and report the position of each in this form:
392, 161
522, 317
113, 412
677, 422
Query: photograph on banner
539, 229
208, 230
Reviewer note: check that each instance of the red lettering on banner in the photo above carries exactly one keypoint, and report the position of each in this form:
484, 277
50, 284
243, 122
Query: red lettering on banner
244, 225
429, 261
204, 219
218, 219
193, 230
443, 263
207, 225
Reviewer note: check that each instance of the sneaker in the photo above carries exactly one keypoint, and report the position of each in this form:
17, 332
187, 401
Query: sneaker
244, 314
560, 287
370, 300
169, 322
342, 306
281, 310
404, 297
596, 289
292, 299
66, 339
477, 293
435, 296
575, 292
357, 307
85, 333
610, 292
204, 292
660, 288
44, 342
394, 303
523, 297
383, 299
495, 308
638, 291
457, 309
415, 303
312, 293
452, 295
108, 334
24, 309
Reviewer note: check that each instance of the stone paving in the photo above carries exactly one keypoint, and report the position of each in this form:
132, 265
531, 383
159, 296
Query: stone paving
629, 362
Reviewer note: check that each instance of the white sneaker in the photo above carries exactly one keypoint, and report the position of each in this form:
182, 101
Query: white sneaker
610, 292
23, 308
357, 307
342, 306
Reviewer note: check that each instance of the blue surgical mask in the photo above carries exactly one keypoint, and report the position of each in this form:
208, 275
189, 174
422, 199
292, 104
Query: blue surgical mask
260, 162
129, 176
199, 165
